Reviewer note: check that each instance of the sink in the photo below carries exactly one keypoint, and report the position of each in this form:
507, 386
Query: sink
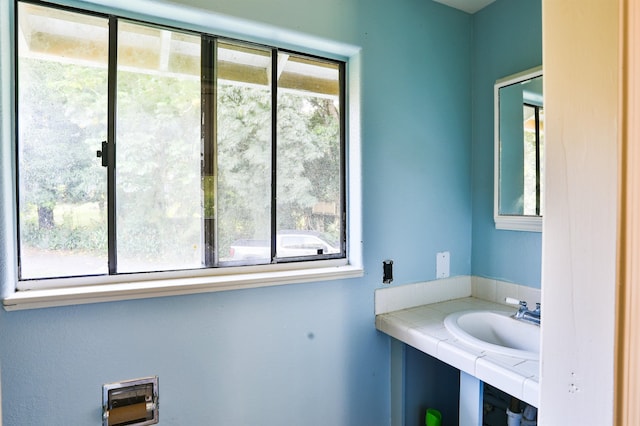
495, 331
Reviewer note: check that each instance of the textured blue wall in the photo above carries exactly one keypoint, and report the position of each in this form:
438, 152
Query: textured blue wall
291, 355
507, 39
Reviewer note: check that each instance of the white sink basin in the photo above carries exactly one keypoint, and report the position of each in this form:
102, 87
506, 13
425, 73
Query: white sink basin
495, 331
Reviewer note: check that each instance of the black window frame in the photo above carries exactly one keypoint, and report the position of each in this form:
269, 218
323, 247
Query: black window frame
208, 72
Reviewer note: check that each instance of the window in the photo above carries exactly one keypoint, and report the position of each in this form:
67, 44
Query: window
144, 148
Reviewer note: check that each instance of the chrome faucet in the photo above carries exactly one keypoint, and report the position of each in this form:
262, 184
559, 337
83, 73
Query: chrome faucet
523, 313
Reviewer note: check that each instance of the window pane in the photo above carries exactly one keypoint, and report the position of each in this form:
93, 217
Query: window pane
308, 157
244, 153
62, 115
158, 191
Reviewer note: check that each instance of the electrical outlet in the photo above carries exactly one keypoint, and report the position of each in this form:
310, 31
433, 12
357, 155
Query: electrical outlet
387, 271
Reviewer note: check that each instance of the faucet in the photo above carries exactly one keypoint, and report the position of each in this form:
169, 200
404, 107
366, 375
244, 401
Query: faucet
523, 313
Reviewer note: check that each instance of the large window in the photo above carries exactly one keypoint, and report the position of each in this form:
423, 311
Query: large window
144, 148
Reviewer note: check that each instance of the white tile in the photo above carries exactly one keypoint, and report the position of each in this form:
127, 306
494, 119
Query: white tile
444, 289
435, 325
456, 305
403, 316
430, 316
458, 355
408, 297
483, 288
425, 313
501, 377
503, 360
380, 321
400, 318
531, 391
485, 304
505, 289
424, 342
392, 326
394, 298
385, 323
441, 333
435, 291
418, 316
460, 287
380, 299
522, 367
405, 296
529, 368
435, 330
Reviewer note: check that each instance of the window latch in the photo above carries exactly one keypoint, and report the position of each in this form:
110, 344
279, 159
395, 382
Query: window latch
102, 153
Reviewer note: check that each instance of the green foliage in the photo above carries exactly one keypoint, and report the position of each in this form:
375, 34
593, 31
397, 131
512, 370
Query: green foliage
59, 134
67, 235
158, 167
244, 163
308, 162
160, 191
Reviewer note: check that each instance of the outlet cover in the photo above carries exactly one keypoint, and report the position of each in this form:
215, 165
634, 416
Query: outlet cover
442, 265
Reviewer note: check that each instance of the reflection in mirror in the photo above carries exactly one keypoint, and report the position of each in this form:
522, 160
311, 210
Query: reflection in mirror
519, 152
533, 118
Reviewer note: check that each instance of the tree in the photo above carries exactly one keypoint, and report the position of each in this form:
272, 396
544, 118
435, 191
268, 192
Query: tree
158, 167
158, 175
60, 127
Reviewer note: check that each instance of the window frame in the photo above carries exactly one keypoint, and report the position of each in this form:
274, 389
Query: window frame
89, 289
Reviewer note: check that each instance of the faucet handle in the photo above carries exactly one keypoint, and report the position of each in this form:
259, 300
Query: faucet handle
513, 301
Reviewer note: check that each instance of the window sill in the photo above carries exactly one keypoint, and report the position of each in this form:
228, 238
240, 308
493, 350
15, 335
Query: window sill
519, 223
45, 298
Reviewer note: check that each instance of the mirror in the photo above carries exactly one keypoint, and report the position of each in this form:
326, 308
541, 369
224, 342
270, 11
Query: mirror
519, 152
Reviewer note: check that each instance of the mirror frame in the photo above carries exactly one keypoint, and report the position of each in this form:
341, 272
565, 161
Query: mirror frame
509, 222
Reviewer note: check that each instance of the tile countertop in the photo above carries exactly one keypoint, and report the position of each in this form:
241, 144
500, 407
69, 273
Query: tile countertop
423, 328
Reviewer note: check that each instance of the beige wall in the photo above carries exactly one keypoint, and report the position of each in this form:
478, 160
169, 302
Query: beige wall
580, 44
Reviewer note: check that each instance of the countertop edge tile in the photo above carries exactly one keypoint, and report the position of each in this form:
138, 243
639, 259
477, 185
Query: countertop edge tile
500, 377
530, 391
458, 356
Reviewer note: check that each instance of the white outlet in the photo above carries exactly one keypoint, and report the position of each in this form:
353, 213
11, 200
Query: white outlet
442, 265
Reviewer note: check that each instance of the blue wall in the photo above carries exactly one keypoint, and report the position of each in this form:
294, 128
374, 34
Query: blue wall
429, 383
298, 354
507, 39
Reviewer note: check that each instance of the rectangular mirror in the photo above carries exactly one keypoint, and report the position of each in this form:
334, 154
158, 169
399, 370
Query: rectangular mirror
519, 151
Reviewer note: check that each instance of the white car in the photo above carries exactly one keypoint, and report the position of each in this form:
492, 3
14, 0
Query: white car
288, 244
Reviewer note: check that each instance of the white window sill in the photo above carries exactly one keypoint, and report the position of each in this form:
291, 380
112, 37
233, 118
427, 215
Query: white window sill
45, 298
519, 223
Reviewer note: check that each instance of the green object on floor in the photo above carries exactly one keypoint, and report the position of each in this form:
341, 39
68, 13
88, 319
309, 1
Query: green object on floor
433, 417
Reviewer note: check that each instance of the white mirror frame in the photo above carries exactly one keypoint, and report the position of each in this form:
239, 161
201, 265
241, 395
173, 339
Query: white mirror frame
509, 222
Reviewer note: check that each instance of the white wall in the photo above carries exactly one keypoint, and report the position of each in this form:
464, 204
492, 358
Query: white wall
580, 45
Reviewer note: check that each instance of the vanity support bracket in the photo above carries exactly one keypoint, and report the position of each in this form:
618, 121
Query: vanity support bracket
471, 396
